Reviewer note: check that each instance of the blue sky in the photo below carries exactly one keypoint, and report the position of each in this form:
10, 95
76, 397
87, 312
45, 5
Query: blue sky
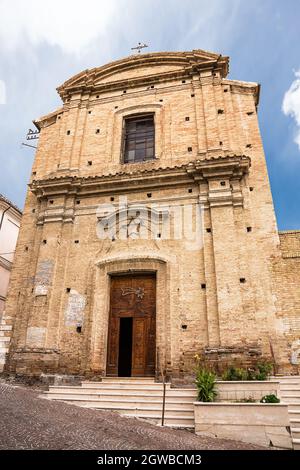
44, 43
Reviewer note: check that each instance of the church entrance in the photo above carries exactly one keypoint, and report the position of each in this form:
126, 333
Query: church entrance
132, 325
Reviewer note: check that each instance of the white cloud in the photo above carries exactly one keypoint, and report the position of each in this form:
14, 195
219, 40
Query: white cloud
291, 104
71, 25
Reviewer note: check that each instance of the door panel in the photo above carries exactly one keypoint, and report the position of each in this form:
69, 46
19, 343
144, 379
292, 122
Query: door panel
139, 346
113, 347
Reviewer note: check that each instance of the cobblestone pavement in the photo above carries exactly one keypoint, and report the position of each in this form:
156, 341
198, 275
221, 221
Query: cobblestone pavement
30, 422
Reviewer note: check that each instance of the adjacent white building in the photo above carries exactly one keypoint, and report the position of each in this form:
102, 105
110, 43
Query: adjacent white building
10, 219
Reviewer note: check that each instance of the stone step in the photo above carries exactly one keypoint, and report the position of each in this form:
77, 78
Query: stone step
4, 339
295, 422
3, 349
5, 327
296, 444
107, 403
283, 378
294, 414
170, 421
61, 395
294, 406
295, 432
134, 397
110, 383
124, 386
290, 393
114, 388
136, 411
292, 381
286, 387
177, 425
290, 399
125, 379
123, 391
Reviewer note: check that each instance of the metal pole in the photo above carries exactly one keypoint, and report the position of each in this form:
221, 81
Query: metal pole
164, 399
163, 374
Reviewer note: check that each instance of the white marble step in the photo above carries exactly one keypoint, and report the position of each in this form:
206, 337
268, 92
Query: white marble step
5, 327
146, 393
170, 421
290, 399
290, 392
124, 386
296, 444
144, 410
4, 339
77, 395
283, 378
106, 403
294, 415
125, 379
135, 397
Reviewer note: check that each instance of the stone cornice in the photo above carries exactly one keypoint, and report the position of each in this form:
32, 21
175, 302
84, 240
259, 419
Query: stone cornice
204, 169
210, 170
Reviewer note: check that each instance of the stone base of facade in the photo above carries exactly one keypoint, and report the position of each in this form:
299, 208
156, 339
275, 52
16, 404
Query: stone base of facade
51, 366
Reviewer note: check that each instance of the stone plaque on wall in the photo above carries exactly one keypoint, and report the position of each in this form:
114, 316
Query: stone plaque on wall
74, 313
43, 277
35, 336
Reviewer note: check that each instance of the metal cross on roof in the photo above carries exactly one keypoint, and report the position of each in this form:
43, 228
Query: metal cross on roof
139, 47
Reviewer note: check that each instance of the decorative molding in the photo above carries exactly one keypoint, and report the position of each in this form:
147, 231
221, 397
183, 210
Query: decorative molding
189, 63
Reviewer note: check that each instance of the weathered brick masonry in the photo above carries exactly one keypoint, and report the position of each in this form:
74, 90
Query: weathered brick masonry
236, 297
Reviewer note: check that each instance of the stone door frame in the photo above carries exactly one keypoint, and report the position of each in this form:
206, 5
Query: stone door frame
106, 268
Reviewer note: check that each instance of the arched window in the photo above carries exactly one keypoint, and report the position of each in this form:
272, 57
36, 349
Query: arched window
138, 144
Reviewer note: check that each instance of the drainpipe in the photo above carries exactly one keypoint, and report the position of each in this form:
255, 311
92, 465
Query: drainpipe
2, 216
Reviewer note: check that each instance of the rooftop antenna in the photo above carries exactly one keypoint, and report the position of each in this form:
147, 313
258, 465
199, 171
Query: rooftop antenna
31, 135
139, 47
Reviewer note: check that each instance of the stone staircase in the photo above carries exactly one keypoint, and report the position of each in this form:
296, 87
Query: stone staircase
290, 393
5, 333
143, 397
131, 396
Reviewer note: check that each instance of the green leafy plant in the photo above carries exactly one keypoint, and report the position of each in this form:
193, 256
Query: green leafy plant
206, 385
264, 370
235, 373
270, 399
260, 372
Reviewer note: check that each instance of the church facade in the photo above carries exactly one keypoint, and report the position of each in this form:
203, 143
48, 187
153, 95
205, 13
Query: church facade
149, 234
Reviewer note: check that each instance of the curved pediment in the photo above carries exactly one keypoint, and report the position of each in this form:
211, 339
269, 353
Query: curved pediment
137, 68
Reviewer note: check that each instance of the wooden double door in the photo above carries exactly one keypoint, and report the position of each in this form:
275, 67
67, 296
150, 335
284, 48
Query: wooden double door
132, 325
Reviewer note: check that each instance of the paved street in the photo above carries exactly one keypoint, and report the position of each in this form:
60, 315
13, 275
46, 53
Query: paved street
29, 422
